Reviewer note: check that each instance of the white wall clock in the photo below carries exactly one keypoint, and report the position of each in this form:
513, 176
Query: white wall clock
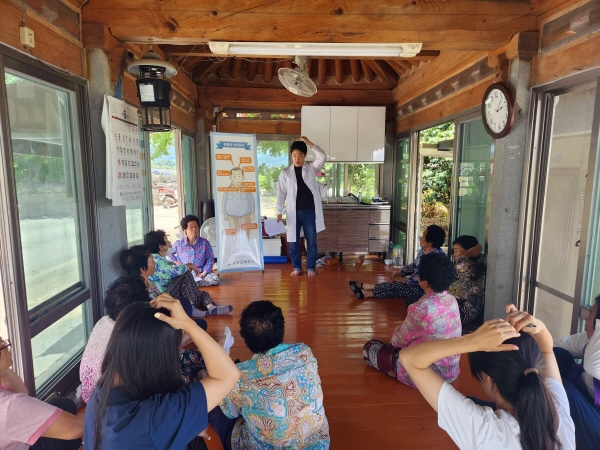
497, 110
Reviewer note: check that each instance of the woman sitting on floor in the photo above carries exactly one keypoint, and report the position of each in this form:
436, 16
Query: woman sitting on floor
141, 400
434, 316
176, 279
196, 250
532, 410
469, 287
121, 293
26, 421
582, 381
404, 284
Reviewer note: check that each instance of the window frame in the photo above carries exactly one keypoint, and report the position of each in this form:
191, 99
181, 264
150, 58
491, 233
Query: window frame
23, 324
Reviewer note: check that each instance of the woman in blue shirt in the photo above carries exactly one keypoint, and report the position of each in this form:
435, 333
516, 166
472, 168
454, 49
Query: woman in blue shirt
141, 401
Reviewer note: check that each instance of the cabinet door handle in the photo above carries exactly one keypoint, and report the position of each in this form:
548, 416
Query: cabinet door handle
577, 243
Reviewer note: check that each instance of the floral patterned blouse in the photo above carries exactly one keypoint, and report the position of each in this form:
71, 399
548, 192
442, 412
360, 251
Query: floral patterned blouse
470, 293
165, 271
279, 401
434, 317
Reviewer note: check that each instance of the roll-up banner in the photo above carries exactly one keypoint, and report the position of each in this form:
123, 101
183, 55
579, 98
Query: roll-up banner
237, 203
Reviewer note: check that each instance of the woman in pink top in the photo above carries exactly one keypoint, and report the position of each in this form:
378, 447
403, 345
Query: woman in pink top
435, 316
26, 421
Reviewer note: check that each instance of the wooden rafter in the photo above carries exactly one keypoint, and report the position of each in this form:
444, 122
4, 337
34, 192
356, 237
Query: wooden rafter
288, 63
237, 67
369, 76
322, 72
384, 73
354, 70
400, 70
251, 73
268, 71
223, 68
339, 72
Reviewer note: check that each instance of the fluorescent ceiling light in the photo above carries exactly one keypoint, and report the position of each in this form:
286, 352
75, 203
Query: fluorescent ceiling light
314, 49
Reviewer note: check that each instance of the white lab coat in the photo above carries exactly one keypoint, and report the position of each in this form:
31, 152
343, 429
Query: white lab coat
287, 189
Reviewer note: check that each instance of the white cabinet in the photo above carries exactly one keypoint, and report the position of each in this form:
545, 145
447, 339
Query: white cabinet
348, 134
371, 134
343, 139
316, 126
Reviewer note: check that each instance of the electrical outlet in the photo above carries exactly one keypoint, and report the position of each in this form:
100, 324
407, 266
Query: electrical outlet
216, 109
214, 128
27, 36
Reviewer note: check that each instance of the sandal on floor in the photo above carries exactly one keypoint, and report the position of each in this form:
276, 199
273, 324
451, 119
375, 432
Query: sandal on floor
357, 291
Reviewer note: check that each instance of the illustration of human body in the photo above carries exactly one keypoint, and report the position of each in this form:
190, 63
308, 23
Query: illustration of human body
239, 209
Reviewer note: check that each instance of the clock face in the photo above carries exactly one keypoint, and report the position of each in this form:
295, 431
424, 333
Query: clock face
496, 111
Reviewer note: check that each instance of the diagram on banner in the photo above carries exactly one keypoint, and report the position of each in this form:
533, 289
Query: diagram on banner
237, 204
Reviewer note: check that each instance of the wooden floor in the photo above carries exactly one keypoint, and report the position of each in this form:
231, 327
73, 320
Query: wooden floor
365, 408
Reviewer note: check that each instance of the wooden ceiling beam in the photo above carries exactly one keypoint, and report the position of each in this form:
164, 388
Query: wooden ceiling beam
130, 22
224, 67
288, 63
280, 98
400, 70
268, 71
339, 72
369, 76
350, 9
354, 70
251, 74
384, 73
322, 71
237, 67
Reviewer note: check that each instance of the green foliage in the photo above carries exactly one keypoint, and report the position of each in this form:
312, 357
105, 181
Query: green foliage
274, 149
437, 179
160, 144
361, 178
34, 171
437, 133
268, 176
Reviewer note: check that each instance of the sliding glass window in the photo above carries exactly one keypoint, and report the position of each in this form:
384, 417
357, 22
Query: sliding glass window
49, 235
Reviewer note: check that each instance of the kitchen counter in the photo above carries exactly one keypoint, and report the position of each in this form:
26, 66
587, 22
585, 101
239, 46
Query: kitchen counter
355, 228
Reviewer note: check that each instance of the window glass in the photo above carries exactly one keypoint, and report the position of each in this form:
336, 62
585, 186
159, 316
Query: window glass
58, 344
342, 179
400, 207
474, 167
135, 214
165, 193
189, 174
273, 156
41, 118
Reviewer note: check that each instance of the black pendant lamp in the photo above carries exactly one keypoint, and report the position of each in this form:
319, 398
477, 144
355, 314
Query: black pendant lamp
154, 90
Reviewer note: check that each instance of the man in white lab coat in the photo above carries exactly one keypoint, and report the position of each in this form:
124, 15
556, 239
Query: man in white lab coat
298, 189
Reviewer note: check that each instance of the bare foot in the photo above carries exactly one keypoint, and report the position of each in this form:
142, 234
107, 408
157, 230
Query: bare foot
296, 273
311, 273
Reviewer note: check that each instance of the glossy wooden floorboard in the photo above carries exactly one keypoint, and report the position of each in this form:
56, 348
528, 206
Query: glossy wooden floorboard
365, 408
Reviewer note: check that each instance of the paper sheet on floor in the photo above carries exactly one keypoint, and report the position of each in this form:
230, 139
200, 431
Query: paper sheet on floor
272, 227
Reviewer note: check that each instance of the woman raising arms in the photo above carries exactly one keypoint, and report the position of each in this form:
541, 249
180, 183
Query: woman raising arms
532, 411
141, 400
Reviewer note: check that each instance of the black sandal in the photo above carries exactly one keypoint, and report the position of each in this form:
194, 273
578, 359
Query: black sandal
357, 290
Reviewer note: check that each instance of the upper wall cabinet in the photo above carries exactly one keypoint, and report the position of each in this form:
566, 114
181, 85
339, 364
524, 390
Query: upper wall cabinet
348, 134
343, 137
316, 122
371, 134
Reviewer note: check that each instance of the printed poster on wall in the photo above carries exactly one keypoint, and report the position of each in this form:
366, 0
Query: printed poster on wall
237, 203
124, 183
